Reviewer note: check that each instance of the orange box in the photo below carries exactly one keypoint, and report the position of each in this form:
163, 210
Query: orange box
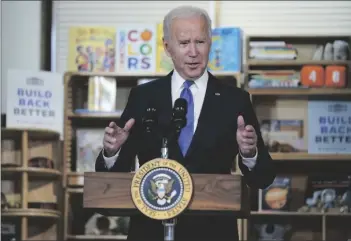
335, 76
312, 76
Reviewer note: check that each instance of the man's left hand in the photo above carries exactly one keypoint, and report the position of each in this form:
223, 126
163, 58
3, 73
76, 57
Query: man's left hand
246, 138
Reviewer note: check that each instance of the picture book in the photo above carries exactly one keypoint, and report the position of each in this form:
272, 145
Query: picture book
89, 145
226, 50
283, 135
164, 63
91, 49
102, 94
277, 196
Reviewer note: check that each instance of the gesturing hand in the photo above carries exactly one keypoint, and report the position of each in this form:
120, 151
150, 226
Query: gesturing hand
115, 136
246, 138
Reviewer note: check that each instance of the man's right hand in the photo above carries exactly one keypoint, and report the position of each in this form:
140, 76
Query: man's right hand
115, 136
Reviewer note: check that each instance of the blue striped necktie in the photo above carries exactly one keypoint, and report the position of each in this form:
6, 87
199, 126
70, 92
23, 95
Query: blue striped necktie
186, 133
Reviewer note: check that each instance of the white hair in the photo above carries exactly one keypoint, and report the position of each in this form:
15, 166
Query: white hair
184, 12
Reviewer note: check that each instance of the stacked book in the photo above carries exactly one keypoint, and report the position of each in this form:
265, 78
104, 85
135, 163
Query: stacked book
278, 79
272, 50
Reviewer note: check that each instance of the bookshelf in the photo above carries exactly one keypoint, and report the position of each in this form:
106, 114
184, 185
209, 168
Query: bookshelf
31, 183
274, 102
75, 83
290, 103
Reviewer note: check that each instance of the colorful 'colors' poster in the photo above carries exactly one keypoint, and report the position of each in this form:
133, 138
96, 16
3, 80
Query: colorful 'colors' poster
136, 48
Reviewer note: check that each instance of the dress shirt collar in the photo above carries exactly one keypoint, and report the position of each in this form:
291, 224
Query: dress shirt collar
200, 83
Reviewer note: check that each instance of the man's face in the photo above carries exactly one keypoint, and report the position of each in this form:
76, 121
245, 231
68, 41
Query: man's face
189, 46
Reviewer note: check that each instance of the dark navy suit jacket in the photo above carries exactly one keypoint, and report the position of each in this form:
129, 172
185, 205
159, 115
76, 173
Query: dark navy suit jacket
212, 151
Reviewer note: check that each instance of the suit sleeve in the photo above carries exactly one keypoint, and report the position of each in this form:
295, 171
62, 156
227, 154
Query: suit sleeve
126, 158
263, 174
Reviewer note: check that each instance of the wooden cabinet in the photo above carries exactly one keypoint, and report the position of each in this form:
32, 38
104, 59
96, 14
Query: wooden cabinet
281, 102
31, 183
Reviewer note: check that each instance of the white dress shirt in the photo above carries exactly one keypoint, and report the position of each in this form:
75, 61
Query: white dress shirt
198, 89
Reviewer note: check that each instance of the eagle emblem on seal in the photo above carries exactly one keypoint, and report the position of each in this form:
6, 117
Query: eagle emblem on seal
161, 189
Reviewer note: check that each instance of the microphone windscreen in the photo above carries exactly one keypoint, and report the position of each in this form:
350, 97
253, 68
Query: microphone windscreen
181, 105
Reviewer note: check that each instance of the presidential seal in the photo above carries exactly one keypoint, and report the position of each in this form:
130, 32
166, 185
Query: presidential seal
162, 189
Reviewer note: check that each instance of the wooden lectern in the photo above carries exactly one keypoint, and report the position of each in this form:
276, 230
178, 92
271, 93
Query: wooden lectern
162, 189
110, 194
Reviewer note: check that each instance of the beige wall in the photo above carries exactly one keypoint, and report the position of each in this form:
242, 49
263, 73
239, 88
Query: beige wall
254, 17
21, 39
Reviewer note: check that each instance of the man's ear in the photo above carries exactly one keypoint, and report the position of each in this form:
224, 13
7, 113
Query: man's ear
166, 47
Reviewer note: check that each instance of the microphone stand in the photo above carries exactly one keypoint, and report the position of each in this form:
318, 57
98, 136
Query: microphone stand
169, 224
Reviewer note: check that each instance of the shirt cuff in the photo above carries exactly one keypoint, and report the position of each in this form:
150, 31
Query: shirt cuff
250, 162
110, 161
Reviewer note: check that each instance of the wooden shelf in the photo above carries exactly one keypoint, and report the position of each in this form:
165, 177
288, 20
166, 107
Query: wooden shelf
299, 91
32, 171
32, 133
97, 237
278, 213
292, 103
28, 145
273, 37
142, 74
75, 179
30, 212
74, 182
93, 115
304, 214
310, 157
267, 63
74, 190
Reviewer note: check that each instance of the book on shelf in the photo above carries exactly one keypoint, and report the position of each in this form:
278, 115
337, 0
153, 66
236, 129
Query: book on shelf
226, 50
10, 230
102, 94
275, 79
274, 50
101, 225
272, 231
89, 145
10, 157
164, 63
283, 135
91, 49
10, 194
277, 196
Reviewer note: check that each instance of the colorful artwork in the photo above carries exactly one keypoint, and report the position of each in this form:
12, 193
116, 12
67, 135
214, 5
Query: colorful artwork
164, 63
225, 54
89, 145
92, 49
136, 48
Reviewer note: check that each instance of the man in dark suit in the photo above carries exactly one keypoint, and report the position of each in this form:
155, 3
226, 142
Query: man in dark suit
221, 124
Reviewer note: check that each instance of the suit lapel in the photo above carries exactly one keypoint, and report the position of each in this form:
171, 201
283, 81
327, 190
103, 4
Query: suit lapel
163, 96
207, 116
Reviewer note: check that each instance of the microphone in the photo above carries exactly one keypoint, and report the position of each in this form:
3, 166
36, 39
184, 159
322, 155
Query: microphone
150, 119
179, 114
